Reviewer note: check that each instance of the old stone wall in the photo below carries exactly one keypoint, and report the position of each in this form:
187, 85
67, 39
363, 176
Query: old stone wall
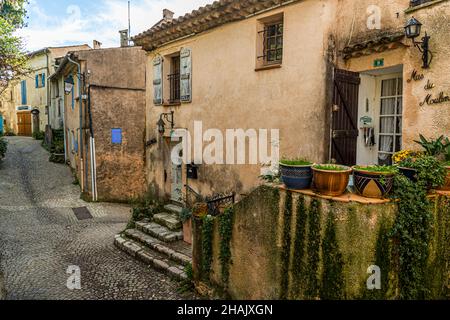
288, 245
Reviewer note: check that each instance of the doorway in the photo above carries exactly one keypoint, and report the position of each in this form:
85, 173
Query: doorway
380, 115
24, 127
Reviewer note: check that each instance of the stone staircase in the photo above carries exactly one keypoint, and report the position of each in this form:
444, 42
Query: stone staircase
159, 243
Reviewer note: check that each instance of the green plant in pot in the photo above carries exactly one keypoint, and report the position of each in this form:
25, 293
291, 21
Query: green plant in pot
439, 149
296, 174
374, 181
331, 179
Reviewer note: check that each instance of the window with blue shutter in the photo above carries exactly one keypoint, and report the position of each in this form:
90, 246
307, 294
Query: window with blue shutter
116, 136
43, 80
37, 81
23, 89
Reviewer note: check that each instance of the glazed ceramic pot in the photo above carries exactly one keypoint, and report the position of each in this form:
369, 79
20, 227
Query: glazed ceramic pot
373, 184
331, 183
296, 177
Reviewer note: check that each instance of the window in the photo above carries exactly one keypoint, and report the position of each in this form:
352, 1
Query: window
174, 80
40, 80
23, 91
415, 3
116, 136
270, 42
273, 43
390, 119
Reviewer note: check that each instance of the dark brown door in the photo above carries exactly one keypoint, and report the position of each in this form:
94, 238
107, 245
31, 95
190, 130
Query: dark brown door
24, 124
345, 117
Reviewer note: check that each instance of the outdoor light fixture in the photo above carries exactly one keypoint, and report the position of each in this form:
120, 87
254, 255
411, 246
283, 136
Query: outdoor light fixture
412, 30
68, 85
169, 117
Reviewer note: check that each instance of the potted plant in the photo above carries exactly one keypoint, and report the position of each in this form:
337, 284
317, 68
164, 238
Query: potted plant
296, 174
186, 219
404, 160
374, 181
331, 179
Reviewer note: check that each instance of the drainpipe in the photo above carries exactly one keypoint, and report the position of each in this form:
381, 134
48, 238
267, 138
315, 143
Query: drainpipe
92, 144
48, 88
63, 102
80, 143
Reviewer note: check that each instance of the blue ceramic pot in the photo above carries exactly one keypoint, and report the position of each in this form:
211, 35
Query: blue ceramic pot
411, 174
296, 177
373, 184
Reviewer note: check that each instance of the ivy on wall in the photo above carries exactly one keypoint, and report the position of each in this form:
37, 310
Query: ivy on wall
285, 253
226, 233
299, 267
207, 246
313, 250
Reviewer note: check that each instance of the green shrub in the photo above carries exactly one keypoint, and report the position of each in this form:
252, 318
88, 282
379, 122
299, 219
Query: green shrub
3, 147
39, 135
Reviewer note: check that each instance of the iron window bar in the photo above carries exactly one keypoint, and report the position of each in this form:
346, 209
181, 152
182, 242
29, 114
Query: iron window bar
174, 84
272, 43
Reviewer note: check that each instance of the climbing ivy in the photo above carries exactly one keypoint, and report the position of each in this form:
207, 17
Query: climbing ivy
299, 266
226, 232
332, 287
207, 250
412, 233
313, 249
285, 253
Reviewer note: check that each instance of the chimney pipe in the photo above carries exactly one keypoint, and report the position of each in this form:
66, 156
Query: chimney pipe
168, 15
124, 38
97, 45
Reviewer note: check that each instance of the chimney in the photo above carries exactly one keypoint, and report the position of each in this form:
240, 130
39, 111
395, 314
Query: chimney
97, 45
168, 15
124, 38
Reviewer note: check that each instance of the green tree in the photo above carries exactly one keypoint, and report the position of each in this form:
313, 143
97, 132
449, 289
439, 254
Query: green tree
13, 60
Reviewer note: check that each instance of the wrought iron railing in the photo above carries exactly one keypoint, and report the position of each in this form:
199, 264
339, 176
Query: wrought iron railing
218, 202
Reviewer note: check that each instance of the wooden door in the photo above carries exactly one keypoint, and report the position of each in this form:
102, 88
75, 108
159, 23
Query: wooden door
345, 129
24, 124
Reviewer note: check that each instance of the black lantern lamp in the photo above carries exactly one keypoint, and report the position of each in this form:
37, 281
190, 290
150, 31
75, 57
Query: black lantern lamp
68, 85
413, 30
169, 117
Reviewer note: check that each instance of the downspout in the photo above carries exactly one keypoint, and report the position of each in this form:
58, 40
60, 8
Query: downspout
48, 88
93, 158
64, 117
80, 146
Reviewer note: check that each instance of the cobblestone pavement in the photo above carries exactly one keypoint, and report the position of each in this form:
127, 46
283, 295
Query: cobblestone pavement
40, 237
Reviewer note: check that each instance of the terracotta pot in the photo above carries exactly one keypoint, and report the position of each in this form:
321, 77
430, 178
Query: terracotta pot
446, 186
373, 184
296, 177
331, 183
187, 231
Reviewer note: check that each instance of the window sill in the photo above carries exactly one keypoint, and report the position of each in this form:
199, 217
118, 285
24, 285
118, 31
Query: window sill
172, 104
269, 67
423, 5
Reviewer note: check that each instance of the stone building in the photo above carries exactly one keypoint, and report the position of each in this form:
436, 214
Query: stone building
339, 79
32, 92
103, 99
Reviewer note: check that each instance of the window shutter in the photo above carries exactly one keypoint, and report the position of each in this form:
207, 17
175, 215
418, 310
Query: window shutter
186, 75
158, 81
24, 92
37, 81
73, 98
43, 80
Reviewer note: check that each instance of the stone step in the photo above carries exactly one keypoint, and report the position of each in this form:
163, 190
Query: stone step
159, 232
173, 208
169, 220
158, 246
150, 257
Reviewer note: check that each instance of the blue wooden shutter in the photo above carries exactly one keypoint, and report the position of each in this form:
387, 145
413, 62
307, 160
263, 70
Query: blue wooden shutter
37, 81
73, 99
43, 80
23, 87
158, 81
186, 75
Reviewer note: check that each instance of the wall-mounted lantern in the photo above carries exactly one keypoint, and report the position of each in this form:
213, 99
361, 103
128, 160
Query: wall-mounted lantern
68, 85
413, 30
169, 117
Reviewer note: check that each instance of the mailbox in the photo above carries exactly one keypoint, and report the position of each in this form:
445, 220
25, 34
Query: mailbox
192, 171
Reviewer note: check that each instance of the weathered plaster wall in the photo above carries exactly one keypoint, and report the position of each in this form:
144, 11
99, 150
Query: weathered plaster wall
120, 168
283, 244
430, 120
8, 108
228, 93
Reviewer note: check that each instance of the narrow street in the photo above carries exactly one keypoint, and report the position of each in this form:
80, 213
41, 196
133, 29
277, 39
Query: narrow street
40, 236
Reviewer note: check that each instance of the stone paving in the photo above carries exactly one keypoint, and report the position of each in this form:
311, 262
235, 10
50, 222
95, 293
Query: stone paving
40, 237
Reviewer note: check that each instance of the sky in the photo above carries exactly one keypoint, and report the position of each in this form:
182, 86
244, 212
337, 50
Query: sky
71, 22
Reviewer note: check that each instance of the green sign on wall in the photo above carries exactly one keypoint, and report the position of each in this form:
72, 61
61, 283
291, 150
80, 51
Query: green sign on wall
378, 63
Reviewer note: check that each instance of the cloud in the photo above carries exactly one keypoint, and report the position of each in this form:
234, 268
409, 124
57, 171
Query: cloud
83, 21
